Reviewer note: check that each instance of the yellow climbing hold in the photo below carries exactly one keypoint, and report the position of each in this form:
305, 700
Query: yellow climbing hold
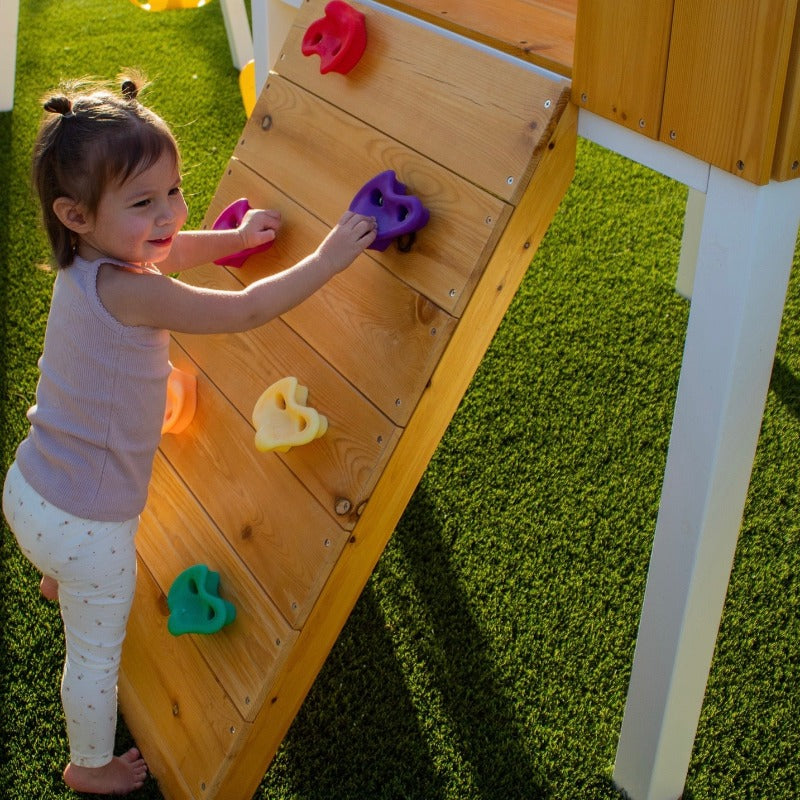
283, 420
163, 5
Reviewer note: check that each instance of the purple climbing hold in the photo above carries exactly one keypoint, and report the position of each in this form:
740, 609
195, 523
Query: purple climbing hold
397, 213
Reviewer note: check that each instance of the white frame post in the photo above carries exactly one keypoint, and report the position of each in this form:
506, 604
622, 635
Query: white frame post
272, 20
9, 20
744, 259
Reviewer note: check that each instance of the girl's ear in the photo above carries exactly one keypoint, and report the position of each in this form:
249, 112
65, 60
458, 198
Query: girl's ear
71, 214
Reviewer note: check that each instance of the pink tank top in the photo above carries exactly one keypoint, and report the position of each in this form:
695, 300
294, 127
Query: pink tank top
99, 407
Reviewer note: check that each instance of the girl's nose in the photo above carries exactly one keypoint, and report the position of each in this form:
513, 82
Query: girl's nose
166, 213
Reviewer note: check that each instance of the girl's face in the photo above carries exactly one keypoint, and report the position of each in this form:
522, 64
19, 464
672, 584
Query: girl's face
136, 221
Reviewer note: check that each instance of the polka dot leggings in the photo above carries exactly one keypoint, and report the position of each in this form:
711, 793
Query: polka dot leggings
95, 566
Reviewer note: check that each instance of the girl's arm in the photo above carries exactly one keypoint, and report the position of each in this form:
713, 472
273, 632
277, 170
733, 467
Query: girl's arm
192, 248
159, 301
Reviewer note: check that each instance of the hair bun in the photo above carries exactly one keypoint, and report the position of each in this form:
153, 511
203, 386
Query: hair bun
129, 89
59, 104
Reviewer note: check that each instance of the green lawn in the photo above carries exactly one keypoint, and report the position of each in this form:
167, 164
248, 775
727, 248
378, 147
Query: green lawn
489, 655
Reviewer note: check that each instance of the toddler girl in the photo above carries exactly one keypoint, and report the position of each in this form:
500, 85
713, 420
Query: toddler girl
107, 171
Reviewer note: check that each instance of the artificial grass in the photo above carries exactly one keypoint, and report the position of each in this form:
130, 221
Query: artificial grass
489, 655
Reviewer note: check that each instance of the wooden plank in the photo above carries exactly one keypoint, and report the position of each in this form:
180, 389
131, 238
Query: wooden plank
480, 115
379, 333
787, 150
185, 725
621, 49
340, 155
725, 82
541, 31
339, 469
176, 534
288, 550
450, 380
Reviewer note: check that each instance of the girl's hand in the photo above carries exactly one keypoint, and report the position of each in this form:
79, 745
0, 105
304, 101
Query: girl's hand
351, 236
258, 227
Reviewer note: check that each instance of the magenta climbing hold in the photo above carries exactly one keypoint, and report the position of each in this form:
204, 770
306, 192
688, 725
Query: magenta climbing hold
230, 218
398, 214
339, 38
195, 605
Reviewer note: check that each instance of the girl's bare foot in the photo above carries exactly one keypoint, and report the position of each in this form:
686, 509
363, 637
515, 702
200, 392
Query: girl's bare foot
48, 587
123, 774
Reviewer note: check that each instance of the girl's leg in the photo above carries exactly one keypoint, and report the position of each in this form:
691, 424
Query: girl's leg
48, 587
94, 564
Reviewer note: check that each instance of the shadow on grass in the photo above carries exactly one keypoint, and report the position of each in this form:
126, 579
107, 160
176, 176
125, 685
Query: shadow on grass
786, 386
382, 722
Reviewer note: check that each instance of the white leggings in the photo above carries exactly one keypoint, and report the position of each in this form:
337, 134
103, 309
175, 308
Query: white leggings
95, 566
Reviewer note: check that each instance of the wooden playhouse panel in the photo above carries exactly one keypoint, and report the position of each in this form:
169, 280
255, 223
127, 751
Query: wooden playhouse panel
289, 548
414, 450
340, 154
729, 117
341, 466
395, 335
542, 31
246, 655
181, 716
459, 104
372, 336
621, 52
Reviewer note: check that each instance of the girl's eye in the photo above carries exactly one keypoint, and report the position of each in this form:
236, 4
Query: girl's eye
175, 191
142, 203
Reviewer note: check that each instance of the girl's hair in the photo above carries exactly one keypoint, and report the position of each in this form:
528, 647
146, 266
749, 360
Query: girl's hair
91, 137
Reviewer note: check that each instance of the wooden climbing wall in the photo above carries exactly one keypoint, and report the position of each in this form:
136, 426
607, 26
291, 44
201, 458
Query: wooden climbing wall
387, 350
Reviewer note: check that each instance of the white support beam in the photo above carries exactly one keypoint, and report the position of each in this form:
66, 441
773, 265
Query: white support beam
237, 28
744, 258
272, 20
9, 19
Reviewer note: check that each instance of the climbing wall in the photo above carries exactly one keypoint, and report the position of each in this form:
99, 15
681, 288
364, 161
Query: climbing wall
386, 349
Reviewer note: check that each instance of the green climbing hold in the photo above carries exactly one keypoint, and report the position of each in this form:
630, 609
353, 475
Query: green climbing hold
195, 605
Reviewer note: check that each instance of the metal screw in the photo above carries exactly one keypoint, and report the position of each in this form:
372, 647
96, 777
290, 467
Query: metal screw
642, 123
673, 135
266, 122
343, 506
548, 103
795, 164
510, 180
740, 165
452, 292
584, 97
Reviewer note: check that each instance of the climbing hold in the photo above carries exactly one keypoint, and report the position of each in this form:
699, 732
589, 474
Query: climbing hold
230, 218
247, 86
195, 605
181, 401
282, 419
396, 212
163, 5
339, 38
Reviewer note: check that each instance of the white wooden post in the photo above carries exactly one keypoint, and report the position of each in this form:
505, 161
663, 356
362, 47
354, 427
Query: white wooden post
9, 19
744, 259
272, 20
237, 28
